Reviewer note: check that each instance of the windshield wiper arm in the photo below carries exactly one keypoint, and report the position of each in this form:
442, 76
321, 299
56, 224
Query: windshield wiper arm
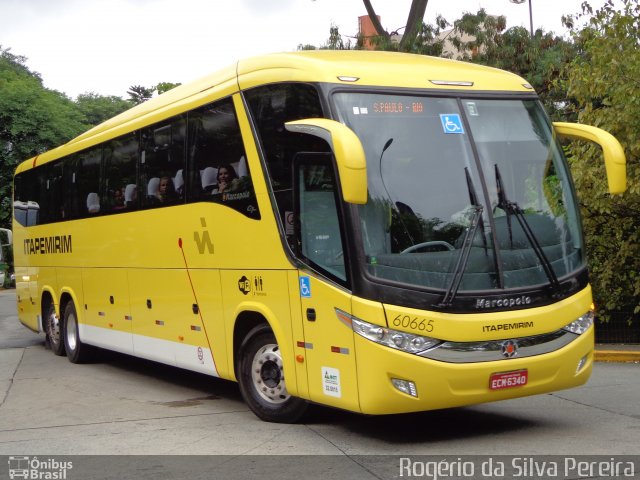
512, 208
465, 250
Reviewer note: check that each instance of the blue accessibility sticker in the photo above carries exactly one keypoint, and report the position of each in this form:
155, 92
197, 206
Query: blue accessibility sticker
451, 123
305, 287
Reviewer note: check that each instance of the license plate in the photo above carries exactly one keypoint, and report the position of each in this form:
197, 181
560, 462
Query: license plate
500, 381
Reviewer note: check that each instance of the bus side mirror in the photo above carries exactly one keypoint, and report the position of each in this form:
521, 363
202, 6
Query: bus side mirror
614, 157
347, 149
9, 236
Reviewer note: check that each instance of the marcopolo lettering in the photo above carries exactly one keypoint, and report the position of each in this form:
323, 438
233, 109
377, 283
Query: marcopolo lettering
235, 196
482, 303
46, 245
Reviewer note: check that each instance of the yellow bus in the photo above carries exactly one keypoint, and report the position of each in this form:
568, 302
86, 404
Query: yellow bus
375, 232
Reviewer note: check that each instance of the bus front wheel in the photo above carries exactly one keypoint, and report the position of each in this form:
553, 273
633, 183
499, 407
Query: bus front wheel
77, 352
53, 329
261, 378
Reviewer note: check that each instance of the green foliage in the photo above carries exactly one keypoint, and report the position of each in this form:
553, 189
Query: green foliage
32, 119
426, 41
163, 87
97, 108
481, 38
474, 33
139, 94
604, 80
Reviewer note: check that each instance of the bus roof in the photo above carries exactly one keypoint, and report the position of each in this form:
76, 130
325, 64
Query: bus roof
373, 68
348, 67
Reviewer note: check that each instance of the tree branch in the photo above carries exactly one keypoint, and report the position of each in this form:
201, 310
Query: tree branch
374, 19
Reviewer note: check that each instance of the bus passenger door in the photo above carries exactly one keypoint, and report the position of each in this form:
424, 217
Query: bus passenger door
328, 346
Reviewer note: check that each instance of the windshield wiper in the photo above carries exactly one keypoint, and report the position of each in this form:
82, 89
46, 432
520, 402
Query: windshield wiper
512, 208
465, 250
400, 207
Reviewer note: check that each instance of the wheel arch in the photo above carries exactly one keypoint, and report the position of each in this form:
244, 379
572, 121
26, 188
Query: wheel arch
68, 295
249, 317
47, 299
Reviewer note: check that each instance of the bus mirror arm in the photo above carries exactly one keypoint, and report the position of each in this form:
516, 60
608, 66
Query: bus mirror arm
614, 157
348, 152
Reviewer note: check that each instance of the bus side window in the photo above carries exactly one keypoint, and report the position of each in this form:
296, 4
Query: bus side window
270, 107
120, 159
162, 157
88, 175
218, 170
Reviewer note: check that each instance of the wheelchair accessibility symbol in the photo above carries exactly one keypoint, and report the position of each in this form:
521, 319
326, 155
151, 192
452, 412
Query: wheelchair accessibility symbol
451, 123
305, 287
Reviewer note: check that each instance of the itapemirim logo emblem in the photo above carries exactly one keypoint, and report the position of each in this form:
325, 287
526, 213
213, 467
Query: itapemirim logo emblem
38, 469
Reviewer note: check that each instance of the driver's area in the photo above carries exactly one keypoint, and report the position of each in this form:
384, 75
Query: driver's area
318, 223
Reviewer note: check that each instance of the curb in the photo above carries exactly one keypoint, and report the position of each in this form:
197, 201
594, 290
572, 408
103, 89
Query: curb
617, 356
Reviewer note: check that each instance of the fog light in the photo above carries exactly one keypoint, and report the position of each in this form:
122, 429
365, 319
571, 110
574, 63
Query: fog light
405, 386
581, 363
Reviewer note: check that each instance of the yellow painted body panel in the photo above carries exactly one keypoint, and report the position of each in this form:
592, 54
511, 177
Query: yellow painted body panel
162, 306
613, 153
206, 284
474, 327
265, 292
27, 296
374, 69
329, 346
106, 300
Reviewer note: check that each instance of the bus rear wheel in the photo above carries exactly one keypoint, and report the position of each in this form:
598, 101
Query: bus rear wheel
77, 352
261, 378
53, 329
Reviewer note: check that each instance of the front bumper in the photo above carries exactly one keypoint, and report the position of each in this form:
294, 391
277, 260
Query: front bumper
442, 384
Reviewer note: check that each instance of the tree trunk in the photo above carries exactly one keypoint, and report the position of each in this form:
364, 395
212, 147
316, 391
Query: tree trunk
414, 21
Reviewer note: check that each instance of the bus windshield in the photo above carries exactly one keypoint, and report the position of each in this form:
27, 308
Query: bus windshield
465, 194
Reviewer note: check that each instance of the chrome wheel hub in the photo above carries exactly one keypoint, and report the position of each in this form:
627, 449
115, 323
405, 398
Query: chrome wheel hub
72, 337
267, 374
54, 328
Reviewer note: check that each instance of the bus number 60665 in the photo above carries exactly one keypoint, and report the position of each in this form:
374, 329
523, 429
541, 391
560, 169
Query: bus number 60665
414, 323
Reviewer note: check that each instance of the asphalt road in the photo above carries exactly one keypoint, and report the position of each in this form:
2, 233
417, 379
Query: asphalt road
121, 406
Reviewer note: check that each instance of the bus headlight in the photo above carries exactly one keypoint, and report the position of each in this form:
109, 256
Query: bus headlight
406, 342
581, 324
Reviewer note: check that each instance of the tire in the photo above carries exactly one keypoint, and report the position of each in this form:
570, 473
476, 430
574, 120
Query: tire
77, 352
53, 329
261, 379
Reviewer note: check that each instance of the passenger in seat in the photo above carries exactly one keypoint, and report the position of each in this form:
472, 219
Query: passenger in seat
228, 180
166, 192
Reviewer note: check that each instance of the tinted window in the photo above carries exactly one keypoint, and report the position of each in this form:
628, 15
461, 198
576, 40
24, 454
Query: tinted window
217, 161
317, 209
162, 163
88, 181
271, 107
121, 156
